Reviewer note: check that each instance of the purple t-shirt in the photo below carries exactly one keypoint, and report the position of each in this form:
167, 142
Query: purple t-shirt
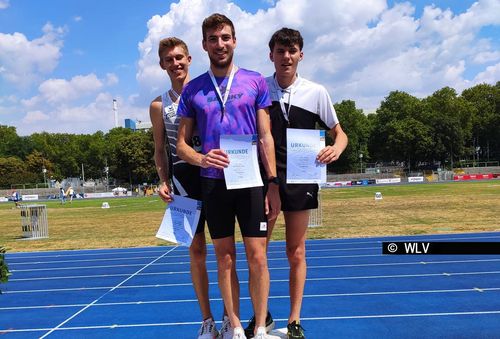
200, 101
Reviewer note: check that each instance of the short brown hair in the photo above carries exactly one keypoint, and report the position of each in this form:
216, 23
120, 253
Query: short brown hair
286, 37
216, 20
171, 42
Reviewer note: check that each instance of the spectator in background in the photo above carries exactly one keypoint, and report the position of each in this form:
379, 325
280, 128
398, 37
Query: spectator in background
62, 195
70, 193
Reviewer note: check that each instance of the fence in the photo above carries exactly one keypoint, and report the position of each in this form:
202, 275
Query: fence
316, 215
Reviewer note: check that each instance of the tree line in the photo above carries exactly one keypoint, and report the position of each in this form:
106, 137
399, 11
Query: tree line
439, 130
127, 155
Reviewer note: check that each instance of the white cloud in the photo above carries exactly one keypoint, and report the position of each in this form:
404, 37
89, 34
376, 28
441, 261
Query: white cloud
77, 105
59, 91
111, 79
25, 62
77, 18
34, 117
4, 4
490, 76
485, 57
87, 117
358, 50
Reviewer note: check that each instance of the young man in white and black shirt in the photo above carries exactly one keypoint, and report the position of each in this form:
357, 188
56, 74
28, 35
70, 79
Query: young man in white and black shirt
297, 103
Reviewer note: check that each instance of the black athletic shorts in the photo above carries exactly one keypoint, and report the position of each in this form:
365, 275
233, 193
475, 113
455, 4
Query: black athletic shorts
222, 206
187, 182
297, 197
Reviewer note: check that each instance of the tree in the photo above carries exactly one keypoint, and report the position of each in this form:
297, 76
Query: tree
13, 171
485, 101
11, 144
35, 163
114, 140
62, 149
410, 140
399, 132
135, 158
449, 119
131, 155
357, 127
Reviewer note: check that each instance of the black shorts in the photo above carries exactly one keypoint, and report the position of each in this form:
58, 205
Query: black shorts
297, 197
187, 182
223, 205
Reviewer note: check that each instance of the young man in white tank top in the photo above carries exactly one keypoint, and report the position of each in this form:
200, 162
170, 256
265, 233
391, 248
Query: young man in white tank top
175, 59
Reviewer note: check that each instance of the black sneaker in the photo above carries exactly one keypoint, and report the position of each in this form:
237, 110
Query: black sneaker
249, 331
295, 331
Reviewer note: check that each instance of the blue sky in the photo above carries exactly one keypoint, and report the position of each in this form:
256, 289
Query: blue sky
63, 62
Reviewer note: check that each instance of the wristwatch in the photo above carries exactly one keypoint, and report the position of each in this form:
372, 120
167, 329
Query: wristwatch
273, 180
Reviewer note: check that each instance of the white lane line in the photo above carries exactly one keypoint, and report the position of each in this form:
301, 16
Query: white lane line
74, 268
109, 291
271, 268
187, 257
274, 244
182, 263
273, 259
245, 281
190, 323
78, 260
117, 251
328, 295
378, 316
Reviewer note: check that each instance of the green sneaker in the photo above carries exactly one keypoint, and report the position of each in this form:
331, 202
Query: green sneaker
295, 331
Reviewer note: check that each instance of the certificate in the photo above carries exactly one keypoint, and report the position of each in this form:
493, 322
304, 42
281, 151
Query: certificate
303, 146
180, 221
243, 170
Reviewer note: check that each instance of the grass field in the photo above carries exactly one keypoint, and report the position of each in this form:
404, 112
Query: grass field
347, 212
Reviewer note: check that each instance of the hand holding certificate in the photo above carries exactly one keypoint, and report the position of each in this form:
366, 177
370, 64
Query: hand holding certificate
180, 221
303, 146
243, 170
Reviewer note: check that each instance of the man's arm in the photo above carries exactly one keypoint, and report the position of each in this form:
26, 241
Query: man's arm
216, 158
268, 156
160, 154
332, 153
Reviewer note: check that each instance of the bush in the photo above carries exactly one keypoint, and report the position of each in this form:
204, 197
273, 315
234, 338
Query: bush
4, 269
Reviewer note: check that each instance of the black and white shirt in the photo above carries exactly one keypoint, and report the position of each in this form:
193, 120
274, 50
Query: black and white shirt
302, 105
181, 170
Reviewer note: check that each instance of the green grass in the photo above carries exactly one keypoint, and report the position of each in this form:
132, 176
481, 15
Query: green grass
347, 212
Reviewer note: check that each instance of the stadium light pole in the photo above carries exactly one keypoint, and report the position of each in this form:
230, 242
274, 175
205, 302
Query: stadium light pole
106, 170
44, 171
115, 111
360, 162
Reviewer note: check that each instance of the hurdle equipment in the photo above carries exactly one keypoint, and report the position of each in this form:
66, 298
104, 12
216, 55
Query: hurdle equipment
34, 222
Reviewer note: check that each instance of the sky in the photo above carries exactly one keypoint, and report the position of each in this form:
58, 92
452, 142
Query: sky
63, 62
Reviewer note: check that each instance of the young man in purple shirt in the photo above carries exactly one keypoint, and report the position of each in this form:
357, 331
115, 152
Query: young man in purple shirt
231, 100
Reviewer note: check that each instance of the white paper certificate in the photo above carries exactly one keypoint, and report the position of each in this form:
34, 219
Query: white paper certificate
243, 170
303, 146
180, 221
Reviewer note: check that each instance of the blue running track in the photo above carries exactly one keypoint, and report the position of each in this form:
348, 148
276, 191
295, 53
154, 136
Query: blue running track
352, 291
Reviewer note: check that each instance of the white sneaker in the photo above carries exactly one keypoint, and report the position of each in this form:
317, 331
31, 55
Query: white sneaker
226, 331
208, 330
239, 333
261, 333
